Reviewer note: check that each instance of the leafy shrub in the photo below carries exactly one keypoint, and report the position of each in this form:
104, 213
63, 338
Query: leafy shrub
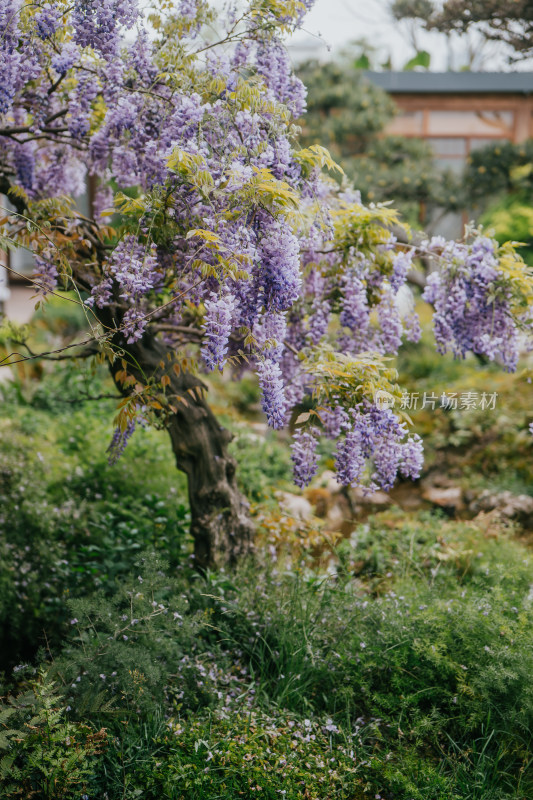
436, 642
263, 463
71, 523
45, 755
135, 648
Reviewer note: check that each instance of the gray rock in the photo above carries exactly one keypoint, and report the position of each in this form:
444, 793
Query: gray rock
450, 498
298, 507
517, 507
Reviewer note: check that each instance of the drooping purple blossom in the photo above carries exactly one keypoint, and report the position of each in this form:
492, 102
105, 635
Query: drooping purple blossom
355, 312
304, 456
66, 58
59, 171
96, 23
47, 20
218, 324
334, 419
10, 57
411, 324
270, 335
472, 311
133, 324
375, 438
401, 264
119, 441
273, 64
280, 267
45, 275
79, 105
134, 268
389, 338
412, 458
188, 8
349, 458
273, 401
24, 158
320, 309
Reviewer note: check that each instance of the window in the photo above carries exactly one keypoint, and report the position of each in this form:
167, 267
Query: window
407, 123
470, 123
451, 148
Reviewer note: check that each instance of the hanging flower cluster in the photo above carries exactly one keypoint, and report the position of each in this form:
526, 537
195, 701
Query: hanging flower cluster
475, 301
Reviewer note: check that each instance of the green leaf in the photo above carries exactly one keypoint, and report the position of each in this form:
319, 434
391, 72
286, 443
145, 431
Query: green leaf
363, 62
421, 59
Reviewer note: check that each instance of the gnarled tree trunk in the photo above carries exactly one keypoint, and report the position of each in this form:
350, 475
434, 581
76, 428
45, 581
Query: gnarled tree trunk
220, 520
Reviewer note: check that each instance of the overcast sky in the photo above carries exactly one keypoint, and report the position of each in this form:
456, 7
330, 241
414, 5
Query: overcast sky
334, 23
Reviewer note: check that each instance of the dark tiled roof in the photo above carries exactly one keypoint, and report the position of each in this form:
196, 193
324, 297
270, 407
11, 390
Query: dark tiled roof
453, 82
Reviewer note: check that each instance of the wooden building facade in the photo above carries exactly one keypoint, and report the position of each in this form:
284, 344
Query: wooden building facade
458, 112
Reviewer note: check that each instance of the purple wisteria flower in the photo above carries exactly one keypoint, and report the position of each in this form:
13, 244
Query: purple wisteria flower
66, 58
320, 310
47, 20
274, 65
273, 402
412, 459
96, 23
389, 337
279, 252
218, 323
119, 441
401, 264
270, 334
304, 456
188, 8
378, 438
334, 419
10, 58
24, 158
472, 311
45, 274
349, 458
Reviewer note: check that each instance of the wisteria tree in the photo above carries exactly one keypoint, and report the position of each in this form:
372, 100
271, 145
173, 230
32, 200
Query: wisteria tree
216, 243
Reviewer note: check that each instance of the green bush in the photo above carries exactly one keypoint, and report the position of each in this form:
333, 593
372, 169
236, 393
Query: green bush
135, 649
436, 642
264, 463
46, 756
70, 522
